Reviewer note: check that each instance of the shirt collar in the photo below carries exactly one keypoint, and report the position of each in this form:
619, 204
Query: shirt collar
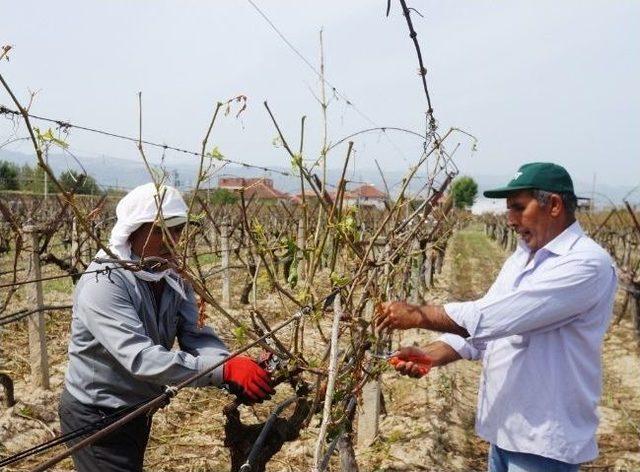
562, 244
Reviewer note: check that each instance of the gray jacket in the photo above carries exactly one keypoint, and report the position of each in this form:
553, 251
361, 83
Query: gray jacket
120, 348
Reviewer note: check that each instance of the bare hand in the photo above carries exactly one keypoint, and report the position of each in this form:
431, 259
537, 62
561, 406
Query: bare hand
412, 361
398, 315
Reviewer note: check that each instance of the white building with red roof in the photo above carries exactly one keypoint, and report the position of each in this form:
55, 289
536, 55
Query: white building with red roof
256, 188
365, 195
369, 195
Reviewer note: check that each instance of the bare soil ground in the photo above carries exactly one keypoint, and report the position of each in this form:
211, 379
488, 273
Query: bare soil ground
428, 423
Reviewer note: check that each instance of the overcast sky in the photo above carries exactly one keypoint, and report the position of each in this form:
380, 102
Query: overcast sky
533, 80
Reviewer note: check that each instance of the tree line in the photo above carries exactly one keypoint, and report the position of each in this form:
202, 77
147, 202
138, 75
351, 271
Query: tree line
32, 179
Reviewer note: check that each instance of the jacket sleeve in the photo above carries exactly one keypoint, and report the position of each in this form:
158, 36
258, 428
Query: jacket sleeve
105, 307
202, 342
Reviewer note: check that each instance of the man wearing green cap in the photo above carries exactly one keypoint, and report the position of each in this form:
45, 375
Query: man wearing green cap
538, 331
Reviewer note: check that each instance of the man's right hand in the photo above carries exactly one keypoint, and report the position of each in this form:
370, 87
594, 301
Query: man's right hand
247, 379
416, 362
411, 361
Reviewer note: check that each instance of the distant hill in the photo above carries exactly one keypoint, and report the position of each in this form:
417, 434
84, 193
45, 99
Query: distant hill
124, 173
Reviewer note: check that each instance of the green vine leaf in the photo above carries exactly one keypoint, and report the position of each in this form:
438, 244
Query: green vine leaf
296, 163
49, 138
292, 280
339, 280
240, 334
296, 160
215, 154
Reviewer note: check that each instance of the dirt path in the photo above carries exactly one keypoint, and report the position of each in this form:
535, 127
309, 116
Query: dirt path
619, 431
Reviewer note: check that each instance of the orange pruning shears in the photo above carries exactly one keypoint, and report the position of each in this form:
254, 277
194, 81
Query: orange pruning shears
423, 362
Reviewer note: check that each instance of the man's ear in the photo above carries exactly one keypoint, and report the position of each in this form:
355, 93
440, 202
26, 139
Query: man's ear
556, 205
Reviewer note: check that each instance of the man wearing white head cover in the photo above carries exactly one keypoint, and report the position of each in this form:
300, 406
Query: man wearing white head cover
123, 329
142, 205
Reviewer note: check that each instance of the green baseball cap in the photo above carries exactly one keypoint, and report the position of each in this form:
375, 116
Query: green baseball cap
536, 175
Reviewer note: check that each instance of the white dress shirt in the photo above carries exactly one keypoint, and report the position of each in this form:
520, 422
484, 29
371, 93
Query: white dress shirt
539, 332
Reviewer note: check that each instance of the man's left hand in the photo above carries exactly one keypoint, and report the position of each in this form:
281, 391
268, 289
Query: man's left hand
398, 315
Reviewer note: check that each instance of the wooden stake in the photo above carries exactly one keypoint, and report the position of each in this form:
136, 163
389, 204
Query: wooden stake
37, 335
416, 263
226, 273
75, 243
302, 266
369, 417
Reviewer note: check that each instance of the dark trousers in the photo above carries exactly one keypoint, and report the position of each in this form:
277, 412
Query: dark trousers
120, 451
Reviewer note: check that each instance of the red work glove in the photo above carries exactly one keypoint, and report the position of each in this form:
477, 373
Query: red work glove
246, 379
411, 361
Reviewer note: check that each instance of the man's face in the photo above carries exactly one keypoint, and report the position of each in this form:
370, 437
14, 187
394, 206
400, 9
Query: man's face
533, 223
150, 241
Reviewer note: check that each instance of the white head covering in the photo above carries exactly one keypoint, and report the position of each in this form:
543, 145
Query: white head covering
147, 204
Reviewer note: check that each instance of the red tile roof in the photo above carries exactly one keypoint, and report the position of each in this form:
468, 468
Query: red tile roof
259, 188
368, 191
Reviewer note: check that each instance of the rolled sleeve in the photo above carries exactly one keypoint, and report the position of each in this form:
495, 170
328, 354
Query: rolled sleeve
465, 349
464, 314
